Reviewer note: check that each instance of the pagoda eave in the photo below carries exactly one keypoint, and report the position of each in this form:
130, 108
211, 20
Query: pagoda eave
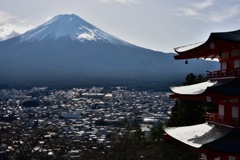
188, 97
197, 55
216, 44
209, 96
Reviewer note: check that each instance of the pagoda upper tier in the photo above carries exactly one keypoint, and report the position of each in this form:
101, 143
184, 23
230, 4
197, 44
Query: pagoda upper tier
216, 45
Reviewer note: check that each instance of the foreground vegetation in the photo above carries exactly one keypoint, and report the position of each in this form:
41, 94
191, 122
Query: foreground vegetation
48, 142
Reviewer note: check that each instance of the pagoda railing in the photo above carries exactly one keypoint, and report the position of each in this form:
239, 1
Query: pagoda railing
235, 72
215, 117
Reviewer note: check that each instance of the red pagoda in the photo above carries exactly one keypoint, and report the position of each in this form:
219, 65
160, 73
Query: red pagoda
219, 137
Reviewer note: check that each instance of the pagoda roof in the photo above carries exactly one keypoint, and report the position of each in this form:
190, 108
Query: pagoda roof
209, 137
212, 48
194, 89
198, 135
226, 144
227, 87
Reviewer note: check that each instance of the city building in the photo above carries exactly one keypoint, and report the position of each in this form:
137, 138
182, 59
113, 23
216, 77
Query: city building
219, 137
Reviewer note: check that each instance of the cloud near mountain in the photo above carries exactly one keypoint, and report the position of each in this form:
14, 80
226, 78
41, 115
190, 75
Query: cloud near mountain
9, 30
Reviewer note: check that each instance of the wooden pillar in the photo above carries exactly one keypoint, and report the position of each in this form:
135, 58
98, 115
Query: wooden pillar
210, 156
224, 158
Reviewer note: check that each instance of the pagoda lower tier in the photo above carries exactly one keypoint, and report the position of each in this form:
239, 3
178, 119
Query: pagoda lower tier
219, 137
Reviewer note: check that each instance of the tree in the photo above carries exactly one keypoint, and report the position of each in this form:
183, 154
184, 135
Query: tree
193, 79
157, 133
21, 141
186, 113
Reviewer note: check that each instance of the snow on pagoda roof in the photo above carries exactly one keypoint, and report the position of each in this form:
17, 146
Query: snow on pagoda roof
188, 47
194, 89
198, 135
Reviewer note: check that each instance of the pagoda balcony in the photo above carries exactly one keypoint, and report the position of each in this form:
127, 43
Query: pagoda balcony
235, 72
216, 118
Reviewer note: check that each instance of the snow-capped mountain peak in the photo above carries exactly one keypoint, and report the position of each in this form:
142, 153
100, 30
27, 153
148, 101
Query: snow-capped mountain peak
69, 26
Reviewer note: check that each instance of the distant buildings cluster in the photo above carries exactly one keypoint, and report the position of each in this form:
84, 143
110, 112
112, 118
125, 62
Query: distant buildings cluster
84, 114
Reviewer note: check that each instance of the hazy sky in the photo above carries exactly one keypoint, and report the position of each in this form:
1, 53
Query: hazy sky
155, 24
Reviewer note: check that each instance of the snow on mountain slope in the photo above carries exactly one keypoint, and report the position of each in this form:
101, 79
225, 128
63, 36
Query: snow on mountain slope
70, 26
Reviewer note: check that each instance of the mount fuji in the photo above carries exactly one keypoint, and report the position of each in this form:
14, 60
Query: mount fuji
68, 51
72, 27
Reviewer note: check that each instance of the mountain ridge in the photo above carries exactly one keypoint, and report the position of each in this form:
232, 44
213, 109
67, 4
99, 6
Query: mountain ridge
69, 26
57, 57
